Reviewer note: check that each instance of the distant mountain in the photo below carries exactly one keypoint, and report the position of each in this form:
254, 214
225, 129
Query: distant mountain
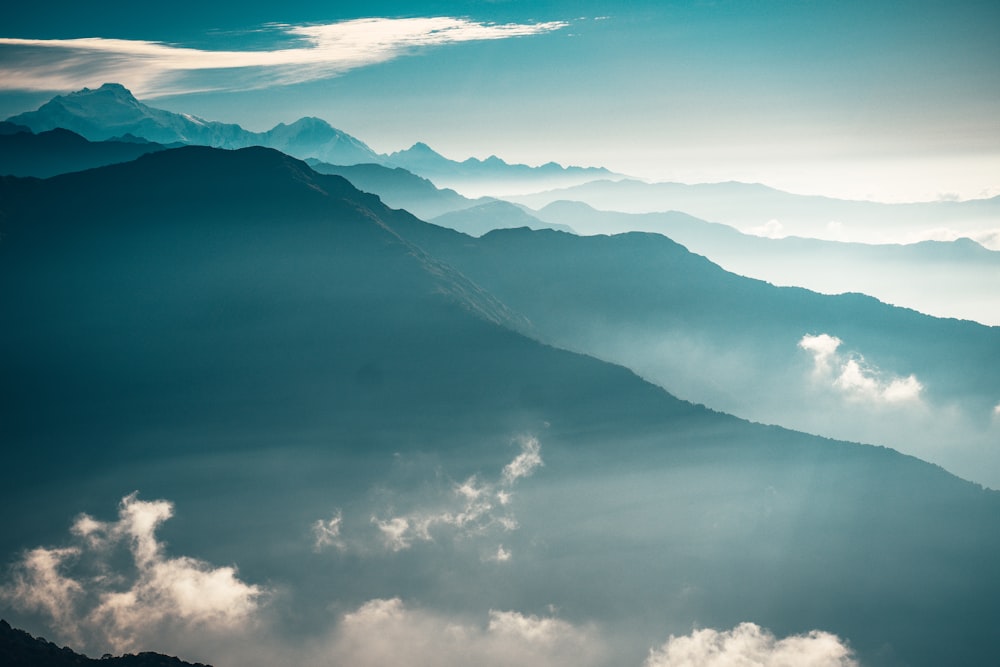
758, 209
942, 278
399, 188
483, 218
19, 649
736, 344
476, 177
112, 111
60, 151
315, 138
266, 346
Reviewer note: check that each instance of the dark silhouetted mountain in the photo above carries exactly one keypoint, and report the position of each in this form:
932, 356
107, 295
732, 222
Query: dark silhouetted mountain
60, 151
19, 649
398, 188
758, 207
260, 343
943, 278
478, 220
12, 128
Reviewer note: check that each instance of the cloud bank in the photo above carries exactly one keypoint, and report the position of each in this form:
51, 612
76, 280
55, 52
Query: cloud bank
152, 69
387, 632
749, 644
84, 592
853, 377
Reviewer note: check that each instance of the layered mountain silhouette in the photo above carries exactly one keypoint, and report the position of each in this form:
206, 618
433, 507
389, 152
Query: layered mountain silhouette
20, 649
766, 211
59, 151
399, 188
261, 343
714, 337
111, 111
944, 278
483, 218
490, 176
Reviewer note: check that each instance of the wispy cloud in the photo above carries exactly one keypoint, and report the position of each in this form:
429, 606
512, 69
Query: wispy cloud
749, 644
151, 69
82, 592
474, 507
855, 378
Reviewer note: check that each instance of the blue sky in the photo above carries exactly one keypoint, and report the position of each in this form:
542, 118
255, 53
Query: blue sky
885, 100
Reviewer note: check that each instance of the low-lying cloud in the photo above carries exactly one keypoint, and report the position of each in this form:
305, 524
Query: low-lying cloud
87, 598
388, 632
853, 377
474, 507
153, 69
749, 644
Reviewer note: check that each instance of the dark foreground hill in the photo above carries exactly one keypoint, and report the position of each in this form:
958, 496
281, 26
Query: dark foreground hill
61, 151
268, 347
19, 649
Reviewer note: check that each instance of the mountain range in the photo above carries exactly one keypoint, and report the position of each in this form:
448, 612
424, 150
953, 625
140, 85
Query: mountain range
269, 347
957, 278
764, 211
111, 111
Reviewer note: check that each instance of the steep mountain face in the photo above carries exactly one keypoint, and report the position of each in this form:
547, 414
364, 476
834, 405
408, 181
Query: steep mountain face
266, 347
942, 278
775, 355
60, 151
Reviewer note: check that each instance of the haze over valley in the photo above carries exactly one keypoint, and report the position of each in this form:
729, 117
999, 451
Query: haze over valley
329, 391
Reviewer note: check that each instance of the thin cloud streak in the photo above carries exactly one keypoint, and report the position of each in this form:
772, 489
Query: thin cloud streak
153, 69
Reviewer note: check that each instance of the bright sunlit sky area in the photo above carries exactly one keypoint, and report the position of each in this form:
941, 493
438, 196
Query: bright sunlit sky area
884, 100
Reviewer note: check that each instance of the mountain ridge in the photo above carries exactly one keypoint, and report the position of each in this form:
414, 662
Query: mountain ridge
265, 346
111, 111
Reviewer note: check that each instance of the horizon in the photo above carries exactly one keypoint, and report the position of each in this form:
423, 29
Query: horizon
886, 102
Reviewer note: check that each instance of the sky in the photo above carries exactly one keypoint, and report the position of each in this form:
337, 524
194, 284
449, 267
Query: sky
888, 100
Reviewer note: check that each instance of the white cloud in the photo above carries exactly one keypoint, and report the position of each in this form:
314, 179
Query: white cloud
386, 632
327, 532
40, 586
471, 508
526, 462
855, 378
748, 644
772, 229
118, 609
155, 68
